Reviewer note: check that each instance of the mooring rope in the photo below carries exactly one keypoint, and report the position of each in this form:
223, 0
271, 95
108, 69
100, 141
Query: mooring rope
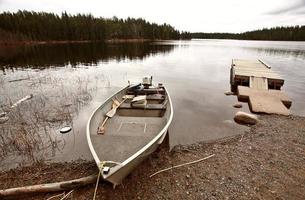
101, 165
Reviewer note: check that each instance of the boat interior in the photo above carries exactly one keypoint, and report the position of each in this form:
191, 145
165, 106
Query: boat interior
140, 115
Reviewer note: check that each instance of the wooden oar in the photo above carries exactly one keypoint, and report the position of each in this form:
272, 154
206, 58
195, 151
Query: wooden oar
110, 114
116, 102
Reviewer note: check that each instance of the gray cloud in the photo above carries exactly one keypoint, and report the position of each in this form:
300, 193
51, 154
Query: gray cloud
298, 7
300, 11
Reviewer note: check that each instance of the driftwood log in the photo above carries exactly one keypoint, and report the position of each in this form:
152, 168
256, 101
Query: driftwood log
49, 187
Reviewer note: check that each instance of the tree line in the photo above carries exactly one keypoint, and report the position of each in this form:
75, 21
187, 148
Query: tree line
288, 33
42, 26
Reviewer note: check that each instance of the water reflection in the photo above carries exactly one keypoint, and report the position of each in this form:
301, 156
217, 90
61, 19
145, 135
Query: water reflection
296, 53
272, 48
43, 56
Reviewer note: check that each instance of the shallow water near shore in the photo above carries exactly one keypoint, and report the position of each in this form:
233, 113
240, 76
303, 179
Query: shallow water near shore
68, 81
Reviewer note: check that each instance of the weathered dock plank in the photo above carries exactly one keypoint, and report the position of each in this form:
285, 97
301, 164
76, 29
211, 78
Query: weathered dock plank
258, 83
255, 83
242, 70
265, 101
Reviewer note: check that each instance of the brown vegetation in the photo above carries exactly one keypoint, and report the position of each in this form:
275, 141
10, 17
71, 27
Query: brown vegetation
29, 133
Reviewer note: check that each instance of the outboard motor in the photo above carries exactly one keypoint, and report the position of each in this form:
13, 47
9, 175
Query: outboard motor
147, 82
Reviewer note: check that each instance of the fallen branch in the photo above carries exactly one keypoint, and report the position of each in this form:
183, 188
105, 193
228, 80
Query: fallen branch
58, 195
49, 187
66, 195
181, 165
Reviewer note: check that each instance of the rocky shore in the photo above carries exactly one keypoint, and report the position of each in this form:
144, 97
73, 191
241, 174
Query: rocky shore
268, 162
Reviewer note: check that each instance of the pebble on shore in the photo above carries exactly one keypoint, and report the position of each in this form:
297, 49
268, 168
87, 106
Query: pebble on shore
229, 93
238, 105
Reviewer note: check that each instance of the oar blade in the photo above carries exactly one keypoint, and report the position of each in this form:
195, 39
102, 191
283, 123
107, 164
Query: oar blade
111, 113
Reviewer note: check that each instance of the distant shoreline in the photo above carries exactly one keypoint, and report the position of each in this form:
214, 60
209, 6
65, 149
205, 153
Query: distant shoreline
199, 39
118, 41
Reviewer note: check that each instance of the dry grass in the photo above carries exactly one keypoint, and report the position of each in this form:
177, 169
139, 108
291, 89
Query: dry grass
31, 129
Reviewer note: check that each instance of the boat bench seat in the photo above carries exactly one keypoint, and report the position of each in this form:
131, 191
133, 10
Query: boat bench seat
155, 97
148, 91
147, 107
150, 110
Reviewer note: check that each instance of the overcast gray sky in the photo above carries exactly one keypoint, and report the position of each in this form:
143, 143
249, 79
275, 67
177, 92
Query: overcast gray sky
188, 15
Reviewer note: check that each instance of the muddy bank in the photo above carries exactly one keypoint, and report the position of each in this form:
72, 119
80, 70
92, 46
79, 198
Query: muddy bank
265, 163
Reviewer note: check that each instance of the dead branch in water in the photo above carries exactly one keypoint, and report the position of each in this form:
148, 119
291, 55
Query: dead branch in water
49, 187
20, 79
22, 100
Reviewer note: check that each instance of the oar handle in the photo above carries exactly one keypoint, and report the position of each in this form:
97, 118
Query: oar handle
104, 122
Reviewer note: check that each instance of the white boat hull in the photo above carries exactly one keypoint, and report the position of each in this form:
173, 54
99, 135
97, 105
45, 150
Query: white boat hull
124, 165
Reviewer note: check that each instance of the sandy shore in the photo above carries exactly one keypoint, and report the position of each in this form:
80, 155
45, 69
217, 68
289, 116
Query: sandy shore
268, 162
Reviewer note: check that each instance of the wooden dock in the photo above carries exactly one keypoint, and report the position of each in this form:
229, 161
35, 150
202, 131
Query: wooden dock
254, 82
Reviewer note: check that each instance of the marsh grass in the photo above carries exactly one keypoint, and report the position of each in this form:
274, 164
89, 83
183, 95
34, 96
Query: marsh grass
31, 133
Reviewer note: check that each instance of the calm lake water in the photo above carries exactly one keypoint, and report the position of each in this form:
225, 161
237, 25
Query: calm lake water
68, 81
